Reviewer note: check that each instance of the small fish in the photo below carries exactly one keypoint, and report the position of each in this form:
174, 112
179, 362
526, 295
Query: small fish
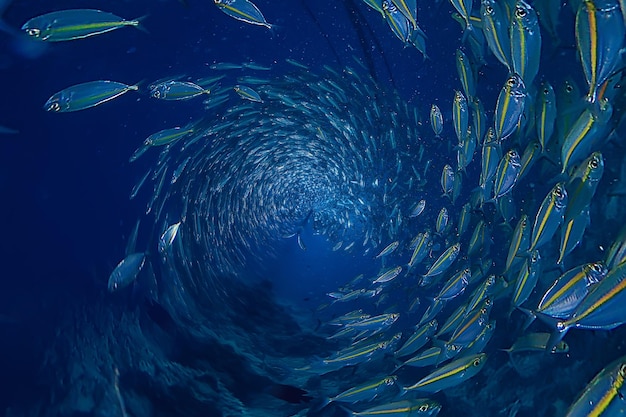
496, 30
506, 173
545, 114
67, 25
390, 248
168, 237
585, 134
442, 263
363, 392
442, 221
600, 32
549, 217
525, 42
436, 120
168, 136
243, 10
86, 95
449, 375
418, 339
604, 395
126, 271
407, 408
247, 93
460, 115
491, 154
466, 74
527, 279
520, 242
447, 180
388, 275
418, 208
509, 107
562, 298
173, 90
535, 342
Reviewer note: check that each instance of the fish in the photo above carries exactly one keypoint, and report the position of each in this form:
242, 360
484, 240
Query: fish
126, 271
600, 32
404, 408
582, 184
436, 120
445, 260
173, 90
569, 289
525, 37
417, 340
506, 174
244, 11
68, 25
549, 216
447, 180
390, 248
602, 308
86, 95
520, 241
364, 392
590, 127
604, 395
418, 208
449, 375
466, 75
247, 93
168, 237
509, 107
496, 31
460, 115
168, 136
388, 275
545, 116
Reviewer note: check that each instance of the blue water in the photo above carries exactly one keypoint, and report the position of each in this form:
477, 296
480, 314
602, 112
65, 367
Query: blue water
226, 336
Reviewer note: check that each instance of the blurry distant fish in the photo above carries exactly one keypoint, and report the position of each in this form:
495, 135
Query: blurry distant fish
86, 95
126, 271
8, 131
67, 25
173, 90
243, 10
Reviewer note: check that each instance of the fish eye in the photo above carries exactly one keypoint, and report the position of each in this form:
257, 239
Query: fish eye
423, 408
520, 12
511, 82
34, 32
622, 370
558, 192
546, 91
489, 10
524, 222
512, 153
54, 106
593, 163
476, 362
569, 88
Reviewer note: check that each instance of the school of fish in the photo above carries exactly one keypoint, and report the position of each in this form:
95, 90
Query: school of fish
480, 223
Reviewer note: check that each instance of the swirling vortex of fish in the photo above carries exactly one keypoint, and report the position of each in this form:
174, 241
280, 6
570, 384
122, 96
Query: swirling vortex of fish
304, 156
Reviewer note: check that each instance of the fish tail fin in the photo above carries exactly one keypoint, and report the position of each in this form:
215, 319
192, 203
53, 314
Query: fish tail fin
324, 402
560, 330
138, 23
348, 411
